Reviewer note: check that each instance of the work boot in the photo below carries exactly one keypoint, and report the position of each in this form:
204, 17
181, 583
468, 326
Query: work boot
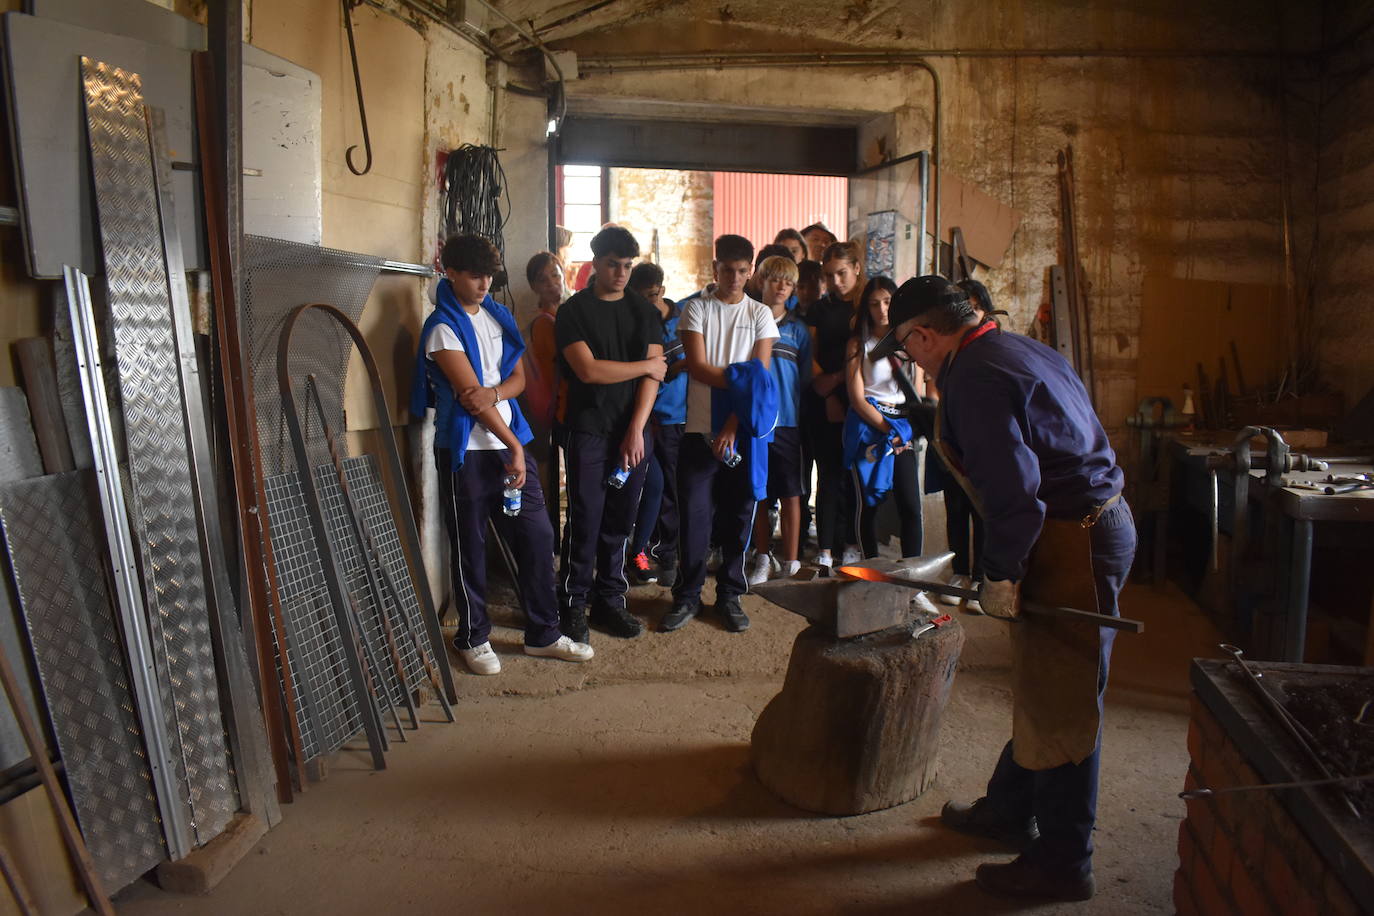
572, 623
736, 621
1019, 878
616, 621
683, 611
980, 820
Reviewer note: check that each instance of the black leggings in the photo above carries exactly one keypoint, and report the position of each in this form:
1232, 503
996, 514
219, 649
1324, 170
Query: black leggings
907, 493
834, 494
959, 513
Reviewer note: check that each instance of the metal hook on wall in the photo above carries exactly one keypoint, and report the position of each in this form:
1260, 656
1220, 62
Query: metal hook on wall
347, 6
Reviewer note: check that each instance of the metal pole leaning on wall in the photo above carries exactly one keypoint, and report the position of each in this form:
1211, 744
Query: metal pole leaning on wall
410, 537
123, 564
262, 597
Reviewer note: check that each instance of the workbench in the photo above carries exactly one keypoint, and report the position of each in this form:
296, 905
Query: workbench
1282, 526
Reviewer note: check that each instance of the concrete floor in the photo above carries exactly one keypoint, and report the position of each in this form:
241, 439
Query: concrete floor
623, 786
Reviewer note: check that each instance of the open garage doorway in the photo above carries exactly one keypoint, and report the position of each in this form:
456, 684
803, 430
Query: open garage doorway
676, 214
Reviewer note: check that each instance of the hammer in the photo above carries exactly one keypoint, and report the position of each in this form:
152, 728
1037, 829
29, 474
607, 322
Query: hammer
1030, 607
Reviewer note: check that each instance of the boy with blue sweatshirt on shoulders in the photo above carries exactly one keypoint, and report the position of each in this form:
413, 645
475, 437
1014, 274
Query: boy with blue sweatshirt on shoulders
776, 278
720, 330
469, 364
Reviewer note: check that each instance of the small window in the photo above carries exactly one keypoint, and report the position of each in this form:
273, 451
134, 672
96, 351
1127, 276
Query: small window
582, 201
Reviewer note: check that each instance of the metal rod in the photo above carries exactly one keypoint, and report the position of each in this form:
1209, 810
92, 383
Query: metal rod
133, 619
866, 574
1207, 792
1216, 511
1285, 720
262, 597
405, 267
605, 63
346, 7
1299, 583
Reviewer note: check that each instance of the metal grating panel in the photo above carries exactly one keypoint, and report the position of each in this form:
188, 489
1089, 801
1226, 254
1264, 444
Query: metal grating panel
159, 464
352, 558
50, 531
370, 497
18, 459
327, 711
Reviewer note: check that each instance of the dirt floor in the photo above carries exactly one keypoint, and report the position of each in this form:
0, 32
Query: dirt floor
623, 786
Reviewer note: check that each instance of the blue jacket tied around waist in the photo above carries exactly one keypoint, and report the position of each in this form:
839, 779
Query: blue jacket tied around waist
752, 396
868, 450
452, 423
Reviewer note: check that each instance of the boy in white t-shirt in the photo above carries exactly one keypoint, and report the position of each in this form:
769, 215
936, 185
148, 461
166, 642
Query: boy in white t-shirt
721, 327
469, 363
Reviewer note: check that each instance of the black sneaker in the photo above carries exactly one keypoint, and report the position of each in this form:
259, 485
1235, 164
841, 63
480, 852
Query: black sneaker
677, 618
1019, 878
572, 623
736, 621
616, 621
980, 820
638, 570
667, 573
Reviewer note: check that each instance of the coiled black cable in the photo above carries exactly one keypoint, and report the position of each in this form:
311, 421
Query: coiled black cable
476, 200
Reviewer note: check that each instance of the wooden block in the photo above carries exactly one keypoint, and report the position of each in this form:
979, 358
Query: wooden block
207, 866
317, 770
28, 828
40, 384
856, 726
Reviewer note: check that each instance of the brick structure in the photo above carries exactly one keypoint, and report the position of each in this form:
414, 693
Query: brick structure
1242, 853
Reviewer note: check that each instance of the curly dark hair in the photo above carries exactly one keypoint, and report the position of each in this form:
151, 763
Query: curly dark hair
645, 275
734, 248
473, 254
615, 240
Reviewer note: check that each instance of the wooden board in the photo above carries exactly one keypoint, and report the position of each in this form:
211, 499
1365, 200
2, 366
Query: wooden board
1186, 322
987, 223
28, 829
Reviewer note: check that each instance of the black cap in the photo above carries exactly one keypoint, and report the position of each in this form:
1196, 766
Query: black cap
915, 296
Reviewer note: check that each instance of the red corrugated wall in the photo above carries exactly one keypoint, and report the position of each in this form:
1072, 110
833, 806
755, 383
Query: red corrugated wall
757, 206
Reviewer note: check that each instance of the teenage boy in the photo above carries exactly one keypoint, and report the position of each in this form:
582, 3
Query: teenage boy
791, 368
469, 363
656, 527
611, 352
718, 329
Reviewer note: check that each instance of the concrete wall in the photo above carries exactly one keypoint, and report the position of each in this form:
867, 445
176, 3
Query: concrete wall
1342, 274
1176, 157
678, 205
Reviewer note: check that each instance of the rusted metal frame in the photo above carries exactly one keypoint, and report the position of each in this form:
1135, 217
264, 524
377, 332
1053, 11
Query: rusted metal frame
395, 477
262, 600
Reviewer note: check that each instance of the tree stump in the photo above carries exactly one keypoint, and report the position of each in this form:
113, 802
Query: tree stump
856, 726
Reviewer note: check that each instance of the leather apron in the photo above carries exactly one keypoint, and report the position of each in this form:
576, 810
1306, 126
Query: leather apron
1055, 663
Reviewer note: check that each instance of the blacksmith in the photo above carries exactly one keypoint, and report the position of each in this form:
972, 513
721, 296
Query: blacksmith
1016, 426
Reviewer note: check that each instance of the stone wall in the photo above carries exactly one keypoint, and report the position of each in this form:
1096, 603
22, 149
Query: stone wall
1177, 157
1342, 273
678, 205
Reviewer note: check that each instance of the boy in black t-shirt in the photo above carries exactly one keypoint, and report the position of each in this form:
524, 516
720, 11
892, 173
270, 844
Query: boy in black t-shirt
610, 349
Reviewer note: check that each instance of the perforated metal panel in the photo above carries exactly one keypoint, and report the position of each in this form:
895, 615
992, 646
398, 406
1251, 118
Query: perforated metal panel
159, 463
50, 531
278, 277
326, 709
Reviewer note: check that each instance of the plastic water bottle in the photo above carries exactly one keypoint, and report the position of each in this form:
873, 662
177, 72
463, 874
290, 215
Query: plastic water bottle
732, 459
510, 497
618, 478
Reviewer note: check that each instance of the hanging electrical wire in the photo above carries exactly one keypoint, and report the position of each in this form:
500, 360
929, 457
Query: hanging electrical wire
475, 197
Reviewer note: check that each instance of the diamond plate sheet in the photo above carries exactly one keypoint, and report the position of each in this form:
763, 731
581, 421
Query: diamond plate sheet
50, 530
354, 559
159, 463
18, 459
326, 709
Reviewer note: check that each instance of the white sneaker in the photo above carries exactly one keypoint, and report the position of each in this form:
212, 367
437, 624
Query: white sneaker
852, 555
789, 568
563, 649
823, 558
481, 659
760, 569
922, 604
957, 581
971, 605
